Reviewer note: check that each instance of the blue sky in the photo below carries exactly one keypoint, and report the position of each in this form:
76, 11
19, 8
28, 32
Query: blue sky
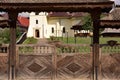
117, 2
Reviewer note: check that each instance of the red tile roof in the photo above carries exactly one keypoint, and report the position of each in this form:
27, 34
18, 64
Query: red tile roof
23, 21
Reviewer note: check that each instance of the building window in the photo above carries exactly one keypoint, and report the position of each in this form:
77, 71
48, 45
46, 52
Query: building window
36, 21
52, 30
37, 34
63, 29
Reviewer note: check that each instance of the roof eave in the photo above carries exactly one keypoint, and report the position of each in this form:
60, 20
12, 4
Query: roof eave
110, 24
74, 7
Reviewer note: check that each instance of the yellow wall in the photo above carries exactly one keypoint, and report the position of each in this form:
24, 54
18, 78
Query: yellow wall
64, 22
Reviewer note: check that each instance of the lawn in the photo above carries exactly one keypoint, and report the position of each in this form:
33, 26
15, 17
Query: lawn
87, 40
30, 40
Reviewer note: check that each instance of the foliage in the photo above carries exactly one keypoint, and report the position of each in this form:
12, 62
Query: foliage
30, 40
5, 35
88, 40
87, 23
53, 38
26, 50
18, 33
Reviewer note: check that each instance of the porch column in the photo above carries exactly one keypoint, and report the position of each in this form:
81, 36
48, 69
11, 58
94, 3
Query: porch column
12, 47
95, 15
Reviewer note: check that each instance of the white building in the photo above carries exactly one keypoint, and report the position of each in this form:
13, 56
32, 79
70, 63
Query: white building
44, 25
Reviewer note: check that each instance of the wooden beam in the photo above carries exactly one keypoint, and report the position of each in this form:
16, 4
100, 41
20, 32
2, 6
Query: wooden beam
12, 51
95, 15
109, 24
4, 24
61, 7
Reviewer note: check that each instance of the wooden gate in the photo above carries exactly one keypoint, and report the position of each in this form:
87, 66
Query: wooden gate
110, 62
43, 62
35, 62
74, 66
3, 62
46, 62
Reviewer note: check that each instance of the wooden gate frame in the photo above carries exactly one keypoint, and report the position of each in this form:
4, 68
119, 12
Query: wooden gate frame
110, 43
94, 8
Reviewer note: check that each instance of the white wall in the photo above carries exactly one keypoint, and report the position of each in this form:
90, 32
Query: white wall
42, 24
45, 25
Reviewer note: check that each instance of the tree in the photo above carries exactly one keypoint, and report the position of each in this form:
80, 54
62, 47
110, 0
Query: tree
5, 35
87, 23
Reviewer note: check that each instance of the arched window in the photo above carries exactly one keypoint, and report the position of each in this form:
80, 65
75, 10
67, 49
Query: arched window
52, 30
64, 30
36, 21
37, 34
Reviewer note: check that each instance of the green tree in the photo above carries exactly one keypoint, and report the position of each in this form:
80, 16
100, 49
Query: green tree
87, 23
5, 35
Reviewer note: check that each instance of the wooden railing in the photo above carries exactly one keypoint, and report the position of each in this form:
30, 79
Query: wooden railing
42, 49
107, 49
35, 49
66, 48
74, 48
3, 62
4, 48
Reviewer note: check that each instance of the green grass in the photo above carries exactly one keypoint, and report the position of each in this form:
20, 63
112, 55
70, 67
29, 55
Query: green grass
87, 40
71, 40
104, 40
30, 40
28, 49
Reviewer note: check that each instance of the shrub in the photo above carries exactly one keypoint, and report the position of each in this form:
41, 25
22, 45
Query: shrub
30, 40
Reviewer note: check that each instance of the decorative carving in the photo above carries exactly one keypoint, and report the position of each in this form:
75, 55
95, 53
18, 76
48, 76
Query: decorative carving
112, 42
34, 67
73, 67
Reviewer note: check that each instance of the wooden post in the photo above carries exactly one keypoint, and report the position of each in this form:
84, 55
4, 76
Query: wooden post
12, 47
54, 62
95, 15
100, 64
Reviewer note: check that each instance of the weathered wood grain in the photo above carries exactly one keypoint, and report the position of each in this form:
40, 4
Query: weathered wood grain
3, 66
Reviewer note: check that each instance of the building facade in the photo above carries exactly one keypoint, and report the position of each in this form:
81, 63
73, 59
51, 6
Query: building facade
58, 24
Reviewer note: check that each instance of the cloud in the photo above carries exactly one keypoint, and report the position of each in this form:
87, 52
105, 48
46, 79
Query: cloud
24, 14
117, 2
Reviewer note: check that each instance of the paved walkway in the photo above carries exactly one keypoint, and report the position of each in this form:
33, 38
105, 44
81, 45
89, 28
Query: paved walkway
42, 41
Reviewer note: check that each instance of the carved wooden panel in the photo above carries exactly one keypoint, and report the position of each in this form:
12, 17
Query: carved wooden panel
74, 67
35, 67
3, 66
111, 66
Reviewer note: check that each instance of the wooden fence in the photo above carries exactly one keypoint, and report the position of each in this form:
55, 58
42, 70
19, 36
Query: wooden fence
4, 62
107, 49
75, 48
71, 62
110, 62
46, 62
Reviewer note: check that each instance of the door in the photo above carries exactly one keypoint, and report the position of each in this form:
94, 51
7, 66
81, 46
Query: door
37, 33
